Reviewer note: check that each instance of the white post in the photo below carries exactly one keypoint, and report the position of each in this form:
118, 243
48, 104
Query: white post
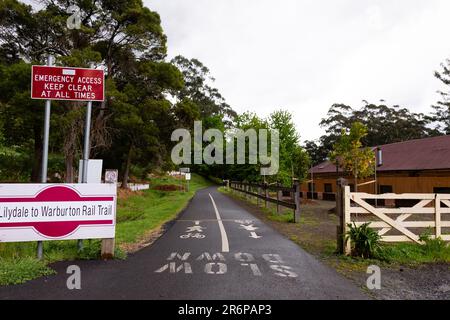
44, 165
437, 206
347, 218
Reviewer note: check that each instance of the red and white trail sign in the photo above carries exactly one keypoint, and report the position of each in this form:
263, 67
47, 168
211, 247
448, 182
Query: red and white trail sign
36, 212
65, 83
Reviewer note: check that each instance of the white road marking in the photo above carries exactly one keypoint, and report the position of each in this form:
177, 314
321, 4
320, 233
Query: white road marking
244, 257
244, 221
284, 271
249, 227
209, 268
207, 256
191, 232
225, 246
254, 235
193, 235
215, 264
173, 268
254, 268
194, 229
272, 258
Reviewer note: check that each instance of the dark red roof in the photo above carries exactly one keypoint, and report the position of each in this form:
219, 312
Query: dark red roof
421, 154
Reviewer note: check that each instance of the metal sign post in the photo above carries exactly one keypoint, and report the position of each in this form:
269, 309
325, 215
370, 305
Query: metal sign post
87, 146
72, 84
87, 131
44, 167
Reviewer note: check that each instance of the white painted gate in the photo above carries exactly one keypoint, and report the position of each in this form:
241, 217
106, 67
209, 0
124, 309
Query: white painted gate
399, 224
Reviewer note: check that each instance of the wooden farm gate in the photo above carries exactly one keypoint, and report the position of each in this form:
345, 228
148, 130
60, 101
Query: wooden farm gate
397, 223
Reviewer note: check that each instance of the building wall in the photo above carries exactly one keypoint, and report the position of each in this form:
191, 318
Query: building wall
401, 182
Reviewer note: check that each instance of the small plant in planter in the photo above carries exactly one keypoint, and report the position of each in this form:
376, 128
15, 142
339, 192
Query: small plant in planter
365, 241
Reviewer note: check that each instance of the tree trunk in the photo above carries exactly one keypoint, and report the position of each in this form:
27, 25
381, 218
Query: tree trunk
126, 171
69, 168
37, 157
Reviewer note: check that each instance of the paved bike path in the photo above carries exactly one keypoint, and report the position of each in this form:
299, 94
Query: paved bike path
214, 250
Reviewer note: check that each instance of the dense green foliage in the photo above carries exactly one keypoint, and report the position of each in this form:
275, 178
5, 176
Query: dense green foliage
293, 160
349, 154
365, 241
147, 96
441, 115
403, 125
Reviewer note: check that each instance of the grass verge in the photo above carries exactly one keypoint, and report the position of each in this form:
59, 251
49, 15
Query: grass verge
285, 215
138, 215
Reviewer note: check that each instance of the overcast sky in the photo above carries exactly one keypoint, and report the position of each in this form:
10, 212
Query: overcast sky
305, 55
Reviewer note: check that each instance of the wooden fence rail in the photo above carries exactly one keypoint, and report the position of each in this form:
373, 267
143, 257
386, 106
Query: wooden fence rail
426, 212
262, 193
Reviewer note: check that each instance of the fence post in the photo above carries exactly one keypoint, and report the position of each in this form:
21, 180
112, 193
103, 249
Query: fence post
266, 194
108, 246
297, 201
279, 195
259, 193
437, 208
340, 212
347, 218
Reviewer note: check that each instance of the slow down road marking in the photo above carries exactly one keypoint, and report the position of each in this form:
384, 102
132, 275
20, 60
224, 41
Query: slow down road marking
223, 234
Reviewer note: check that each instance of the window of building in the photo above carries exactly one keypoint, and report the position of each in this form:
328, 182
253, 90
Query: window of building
328, 188
441, 190
386, 189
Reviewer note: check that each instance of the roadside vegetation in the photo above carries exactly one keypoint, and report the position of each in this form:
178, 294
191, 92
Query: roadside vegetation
139, 216
286, 214
316, 233
147, 98
408, 270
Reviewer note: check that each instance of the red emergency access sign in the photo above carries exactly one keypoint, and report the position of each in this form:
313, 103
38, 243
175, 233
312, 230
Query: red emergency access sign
61, 83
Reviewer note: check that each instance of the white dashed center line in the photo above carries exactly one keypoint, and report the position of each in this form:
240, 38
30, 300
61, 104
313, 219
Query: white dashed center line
225, 246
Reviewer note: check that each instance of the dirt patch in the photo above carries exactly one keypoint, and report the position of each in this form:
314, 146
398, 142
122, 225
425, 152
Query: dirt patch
167, 187
426, 282
309, 202
316, 233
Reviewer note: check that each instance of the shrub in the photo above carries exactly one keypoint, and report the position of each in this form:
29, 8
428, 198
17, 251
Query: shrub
20, 270
436, 248
365, 241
